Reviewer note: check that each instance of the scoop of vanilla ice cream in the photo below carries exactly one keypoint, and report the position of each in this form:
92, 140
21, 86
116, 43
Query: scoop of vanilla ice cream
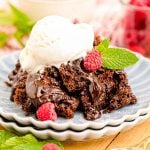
55, 40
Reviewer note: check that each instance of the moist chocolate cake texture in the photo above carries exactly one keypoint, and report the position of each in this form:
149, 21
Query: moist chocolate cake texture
72, 88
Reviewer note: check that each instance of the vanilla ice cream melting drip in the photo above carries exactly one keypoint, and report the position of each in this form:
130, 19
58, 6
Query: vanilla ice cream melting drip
55, 40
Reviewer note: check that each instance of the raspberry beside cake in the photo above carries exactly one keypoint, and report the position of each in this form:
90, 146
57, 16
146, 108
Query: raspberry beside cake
80, 83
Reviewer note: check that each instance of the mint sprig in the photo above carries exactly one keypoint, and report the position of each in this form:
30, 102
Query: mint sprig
5, 135
115, 58
14, 141
3, 38
17, 19
29, 146
104, 44
11, 141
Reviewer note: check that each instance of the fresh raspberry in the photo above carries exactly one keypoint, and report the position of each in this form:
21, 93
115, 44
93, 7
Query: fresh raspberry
92, 61
128, 22
46, 112
147, 2
146, 43
50, 147
141, 36
140, 2
130, 37
140, 20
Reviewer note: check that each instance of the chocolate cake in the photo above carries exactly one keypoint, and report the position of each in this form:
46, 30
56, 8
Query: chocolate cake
71, 87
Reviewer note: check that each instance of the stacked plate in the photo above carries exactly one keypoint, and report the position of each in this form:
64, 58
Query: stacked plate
77, 128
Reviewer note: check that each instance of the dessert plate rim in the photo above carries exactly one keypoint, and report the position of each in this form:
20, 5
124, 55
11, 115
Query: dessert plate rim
63, 126
87, 134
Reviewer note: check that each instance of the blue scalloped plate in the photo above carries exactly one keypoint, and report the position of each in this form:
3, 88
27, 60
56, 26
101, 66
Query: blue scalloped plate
139, 79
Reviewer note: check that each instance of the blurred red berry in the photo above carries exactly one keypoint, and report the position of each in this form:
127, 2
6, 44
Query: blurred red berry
76, 21
137, 26
128, 22
147, 2
138, 49
146, 43
140, 20
130, 37
140, 2
140, 36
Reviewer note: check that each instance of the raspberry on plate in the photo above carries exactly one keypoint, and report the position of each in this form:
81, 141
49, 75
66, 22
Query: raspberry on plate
46, 112
92, 61
50, 147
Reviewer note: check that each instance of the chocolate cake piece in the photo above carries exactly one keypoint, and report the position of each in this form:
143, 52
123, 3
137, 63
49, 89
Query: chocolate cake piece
17, 80
71, 87
74, 78
123, 94
90, 111
101, 88
107, 84
45, 88
33, 90
97, 40
97, 90
19, 90
84, 85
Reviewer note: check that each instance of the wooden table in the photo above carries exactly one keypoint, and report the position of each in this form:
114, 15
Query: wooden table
128, 138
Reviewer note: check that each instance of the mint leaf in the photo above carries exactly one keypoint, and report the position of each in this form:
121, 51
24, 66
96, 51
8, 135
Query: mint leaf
22, 21
104, 44
18, 35
5, 135
6, 18
3, 39
28, 142
117, 58
29, 146
19, 20
18, 14
32, 146
15, 141
36, 145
